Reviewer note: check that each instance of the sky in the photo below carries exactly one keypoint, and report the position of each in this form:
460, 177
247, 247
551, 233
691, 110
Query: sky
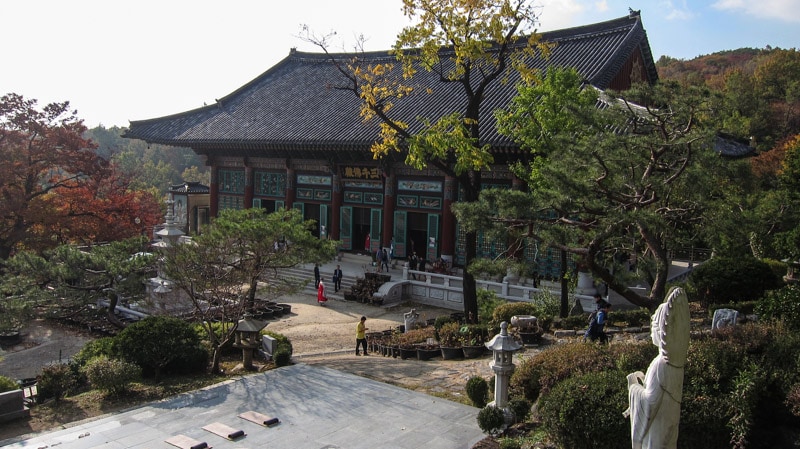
118, 61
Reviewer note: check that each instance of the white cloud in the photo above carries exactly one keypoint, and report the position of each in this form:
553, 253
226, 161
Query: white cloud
557, 14
676, 12
784, 10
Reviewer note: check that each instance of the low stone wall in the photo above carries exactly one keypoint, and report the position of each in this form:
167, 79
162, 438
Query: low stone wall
12, 406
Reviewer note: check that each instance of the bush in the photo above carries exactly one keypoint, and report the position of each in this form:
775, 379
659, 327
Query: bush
521, 408
55, 382
488, 301
737, 384
111, 375
450, 335
282, 356
281, 342
474, 334
95, 348
477, 391
7, 384
537, 375
783, 304
585, 411
504, 312
731, 280
491, 420
155, 342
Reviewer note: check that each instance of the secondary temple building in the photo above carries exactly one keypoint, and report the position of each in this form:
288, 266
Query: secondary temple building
289, 138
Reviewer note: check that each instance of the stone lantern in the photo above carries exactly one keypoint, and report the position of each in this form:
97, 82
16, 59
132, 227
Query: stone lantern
247, 337
503, 347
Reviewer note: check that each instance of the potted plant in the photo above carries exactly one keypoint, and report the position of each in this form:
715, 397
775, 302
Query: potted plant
450, 341
408, 342
473, 339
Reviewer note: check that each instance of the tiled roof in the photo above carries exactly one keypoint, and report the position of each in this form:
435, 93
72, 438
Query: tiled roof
189, 187
295, 104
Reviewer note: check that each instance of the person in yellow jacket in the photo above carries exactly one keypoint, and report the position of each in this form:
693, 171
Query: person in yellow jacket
361, 335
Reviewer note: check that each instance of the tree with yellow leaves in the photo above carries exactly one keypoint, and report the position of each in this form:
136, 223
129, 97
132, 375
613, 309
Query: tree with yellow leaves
467, 45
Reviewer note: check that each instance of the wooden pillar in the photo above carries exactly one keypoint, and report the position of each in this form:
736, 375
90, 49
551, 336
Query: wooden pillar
388, 209
448, 237
290, 183
213, 191
336, 205
248, 186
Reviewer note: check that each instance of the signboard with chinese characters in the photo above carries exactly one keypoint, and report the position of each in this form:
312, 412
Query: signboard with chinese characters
351, 172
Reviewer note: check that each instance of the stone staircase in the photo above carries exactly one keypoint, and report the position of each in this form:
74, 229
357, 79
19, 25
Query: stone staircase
353, 266
306, 273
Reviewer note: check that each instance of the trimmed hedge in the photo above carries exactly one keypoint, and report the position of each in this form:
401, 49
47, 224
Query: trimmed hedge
731, 280
477, 391
112, 376
585, 411
162, 344
741, 388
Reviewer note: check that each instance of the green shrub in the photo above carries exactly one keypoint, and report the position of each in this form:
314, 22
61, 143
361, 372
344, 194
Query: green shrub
504, 312
281, 342
155, 342
474, 334
737, 383
449, 335
731, 280
477, 391
7, 384
782, 304
112, 376
521, 408
281, 356
488, 301
55, 382
778, 267
537, 375
95, 348
439, 322
491, 420
744, 307
634, 356
585, 411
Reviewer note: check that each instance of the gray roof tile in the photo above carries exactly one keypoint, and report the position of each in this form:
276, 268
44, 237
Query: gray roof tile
295, 104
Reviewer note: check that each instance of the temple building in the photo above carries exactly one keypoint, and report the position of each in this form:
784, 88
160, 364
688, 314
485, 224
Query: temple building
290, 138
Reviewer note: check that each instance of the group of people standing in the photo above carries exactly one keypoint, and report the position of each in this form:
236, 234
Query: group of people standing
319, 283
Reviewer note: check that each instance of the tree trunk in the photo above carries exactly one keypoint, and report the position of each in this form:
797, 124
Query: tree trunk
111, 315
471, 183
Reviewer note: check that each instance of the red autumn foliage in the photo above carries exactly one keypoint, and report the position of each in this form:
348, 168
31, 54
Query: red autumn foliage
54, 188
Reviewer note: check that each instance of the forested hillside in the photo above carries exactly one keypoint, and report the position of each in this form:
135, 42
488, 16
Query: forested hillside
151, 166
759, 90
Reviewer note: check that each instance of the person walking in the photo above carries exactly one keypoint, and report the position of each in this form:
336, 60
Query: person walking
337, 278
316, 275
385, 260
412, 264
596, 330
321, 297
379, 258
361, 335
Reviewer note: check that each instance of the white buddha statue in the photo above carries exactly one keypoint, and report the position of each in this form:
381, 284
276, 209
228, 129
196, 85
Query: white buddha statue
655, 398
